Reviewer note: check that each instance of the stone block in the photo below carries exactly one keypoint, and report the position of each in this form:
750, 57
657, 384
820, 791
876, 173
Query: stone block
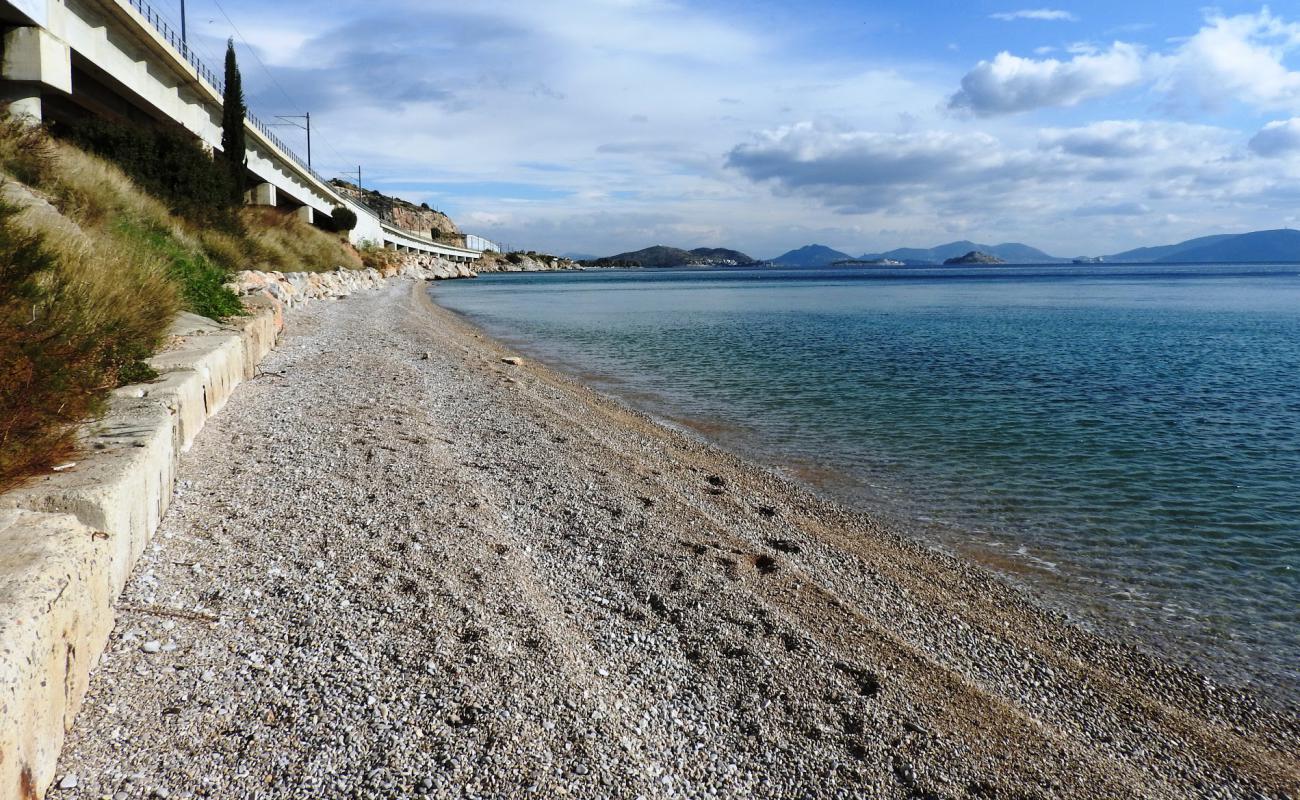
121, 486
55, 617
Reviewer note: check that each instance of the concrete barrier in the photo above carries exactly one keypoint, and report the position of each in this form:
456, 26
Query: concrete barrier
56, 601
68, 540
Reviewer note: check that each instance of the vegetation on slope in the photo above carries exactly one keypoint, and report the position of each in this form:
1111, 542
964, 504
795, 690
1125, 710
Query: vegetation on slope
90, 280
81, 305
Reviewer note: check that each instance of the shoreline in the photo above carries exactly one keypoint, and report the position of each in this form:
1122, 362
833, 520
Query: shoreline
458, 572
1074, 593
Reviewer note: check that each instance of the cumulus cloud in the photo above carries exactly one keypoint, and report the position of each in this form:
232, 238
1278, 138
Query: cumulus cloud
1279, 138
1114, 172
1228, 60
1010, 83
860, 170
1126, 139
1045, 14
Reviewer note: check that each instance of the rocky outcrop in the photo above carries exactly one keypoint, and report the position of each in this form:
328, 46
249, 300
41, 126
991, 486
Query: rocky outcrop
523, 262
419, 219
974, 257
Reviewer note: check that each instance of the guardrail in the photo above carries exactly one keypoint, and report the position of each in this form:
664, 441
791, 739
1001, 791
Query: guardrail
209, 76
218, 86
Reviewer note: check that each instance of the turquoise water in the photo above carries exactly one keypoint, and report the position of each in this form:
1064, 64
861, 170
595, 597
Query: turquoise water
1126, 440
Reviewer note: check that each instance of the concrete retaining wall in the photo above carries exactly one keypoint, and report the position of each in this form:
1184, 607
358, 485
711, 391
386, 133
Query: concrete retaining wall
68, 540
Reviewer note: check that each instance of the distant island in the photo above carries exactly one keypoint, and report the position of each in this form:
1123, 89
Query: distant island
973, 257
661, 256
813, 255
1282, 245
1249, 248
817, 255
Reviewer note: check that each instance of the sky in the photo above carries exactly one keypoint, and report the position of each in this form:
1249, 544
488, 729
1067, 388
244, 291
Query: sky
600, 126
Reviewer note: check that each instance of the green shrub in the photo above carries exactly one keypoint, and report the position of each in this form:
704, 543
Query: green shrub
201, 281
345, 219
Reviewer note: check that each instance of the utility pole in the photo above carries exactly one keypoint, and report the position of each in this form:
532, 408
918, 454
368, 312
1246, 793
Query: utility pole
185, 39
289, 121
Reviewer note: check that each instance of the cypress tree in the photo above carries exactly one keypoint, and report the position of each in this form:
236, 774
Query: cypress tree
233, 112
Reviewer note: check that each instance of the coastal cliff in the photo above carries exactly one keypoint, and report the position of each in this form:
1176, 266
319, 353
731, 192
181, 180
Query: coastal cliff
522, 262
419, 219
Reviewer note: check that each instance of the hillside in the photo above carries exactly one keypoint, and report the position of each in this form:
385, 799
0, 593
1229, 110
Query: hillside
663, 256
1010, 252
813, 255
1253, 247
420, 219
1141, 255
104, 235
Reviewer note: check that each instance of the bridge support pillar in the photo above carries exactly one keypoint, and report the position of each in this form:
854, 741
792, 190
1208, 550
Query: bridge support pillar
34, 62
306, 213
263, 194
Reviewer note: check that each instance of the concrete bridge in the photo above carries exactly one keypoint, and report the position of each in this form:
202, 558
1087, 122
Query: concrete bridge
64, 59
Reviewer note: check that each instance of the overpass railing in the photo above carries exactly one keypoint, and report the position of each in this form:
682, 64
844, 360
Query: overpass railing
218, 85
215, 82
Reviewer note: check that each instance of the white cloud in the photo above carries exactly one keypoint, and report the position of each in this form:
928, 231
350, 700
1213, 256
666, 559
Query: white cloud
1044, 14
1279, 138
1116, 173
1124, 139
1231, 59
1010, 83
1239, 59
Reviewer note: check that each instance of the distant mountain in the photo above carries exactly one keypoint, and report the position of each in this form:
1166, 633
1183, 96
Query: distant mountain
661, 256
1254, 247
1143, 255
578, 256
813, 255
1010, 252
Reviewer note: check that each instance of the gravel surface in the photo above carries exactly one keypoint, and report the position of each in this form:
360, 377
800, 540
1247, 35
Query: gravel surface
398, 566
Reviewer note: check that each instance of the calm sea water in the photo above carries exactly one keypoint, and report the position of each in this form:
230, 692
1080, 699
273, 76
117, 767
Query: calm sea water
1126, 440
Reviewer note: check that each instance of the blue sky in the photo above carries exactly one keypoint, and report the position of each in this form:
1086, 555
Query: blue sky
597, 126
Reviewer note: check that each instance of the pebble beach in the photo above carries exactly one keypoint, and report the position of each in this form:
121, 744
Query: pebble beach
404, 562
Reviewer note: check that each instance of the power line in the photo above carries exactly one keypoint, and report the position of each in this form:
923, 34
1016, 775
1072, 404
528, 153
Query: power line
284, 92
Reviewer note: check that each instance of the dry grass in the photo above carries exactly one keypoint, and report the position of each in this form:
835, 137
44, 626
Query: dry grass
375, 256
76, 319
83, 301
87, 293
280, 241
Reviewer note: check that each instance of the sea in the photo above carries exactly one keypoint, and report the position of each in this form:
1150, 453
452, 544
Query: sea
1121, 440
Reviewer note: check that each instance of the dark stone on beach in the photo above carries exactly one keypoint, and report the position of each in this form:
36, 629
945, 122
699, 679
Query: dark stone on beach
784, 546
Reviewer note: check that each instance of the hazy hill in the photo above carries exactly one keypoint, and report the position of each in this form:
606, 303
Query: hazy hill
662, 256
1010, 252
1257, 246
813, 255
